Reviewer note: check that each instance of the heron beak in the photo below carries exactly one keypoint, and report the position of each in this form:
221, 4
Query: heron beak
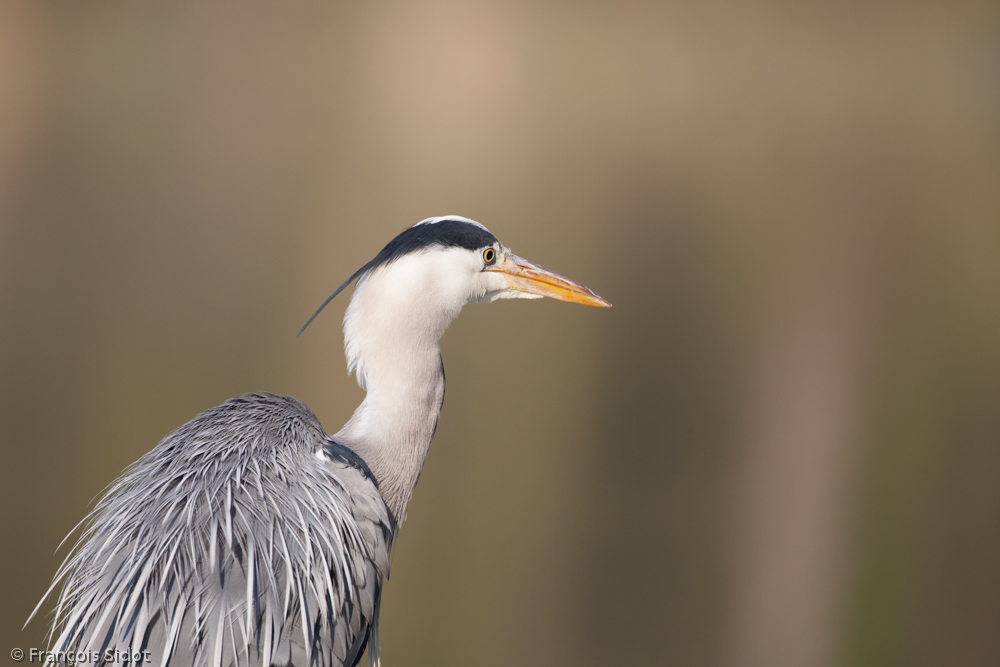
528, 278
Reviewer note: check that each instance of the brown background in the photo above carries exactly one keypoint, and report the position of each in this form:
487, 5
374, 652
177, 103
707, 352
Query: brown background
780, 447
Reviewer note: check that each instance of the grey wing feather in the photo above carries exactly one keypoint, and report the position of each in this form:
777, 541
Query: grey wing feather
236, 541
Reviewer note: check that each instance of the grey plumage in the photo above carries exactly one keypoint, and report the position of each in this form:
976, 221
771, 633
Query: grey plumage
249, 536
237, 511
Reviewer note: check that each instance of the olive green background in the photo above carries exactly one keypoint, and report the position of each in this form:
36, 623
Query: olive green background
781, 447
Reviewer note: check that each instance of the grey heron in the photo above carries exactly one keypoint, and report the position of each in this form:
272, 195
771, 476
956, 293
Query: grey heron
249, 536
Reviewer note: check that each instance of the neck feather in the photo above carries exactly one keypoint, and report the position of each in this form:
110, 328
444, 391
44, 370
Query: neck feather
392, 330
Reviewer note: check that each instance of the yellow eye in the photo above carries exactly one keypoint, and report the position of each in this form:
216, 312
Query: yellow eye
489, 255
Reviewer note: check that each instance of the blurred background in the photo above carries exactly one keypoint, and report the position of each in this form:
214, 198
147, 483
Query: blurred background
780, 447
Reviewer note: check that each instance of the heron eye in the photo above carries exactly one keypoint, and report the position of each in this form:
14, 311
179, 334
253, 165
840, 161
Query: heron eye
489, 255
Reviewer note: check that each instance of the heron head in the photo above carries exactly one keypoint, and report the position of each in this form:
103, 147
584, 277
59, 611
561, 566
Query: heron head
445, 262
482, 269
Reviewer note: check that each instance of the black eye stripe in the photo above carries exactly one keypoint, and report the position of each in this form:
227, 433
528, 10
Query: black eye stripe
446, 233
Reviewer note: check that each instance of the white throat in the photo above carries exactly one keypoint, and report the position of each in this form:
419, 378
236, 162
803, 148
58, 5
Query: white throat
392, 329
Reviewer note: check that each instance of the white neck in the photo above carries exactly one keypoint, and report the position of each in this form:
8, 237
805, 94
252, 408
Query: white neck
392, 330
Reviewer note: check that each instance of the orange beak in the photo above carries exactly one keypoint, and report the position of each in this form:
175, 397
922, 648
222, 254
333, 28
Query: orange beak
528, 278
